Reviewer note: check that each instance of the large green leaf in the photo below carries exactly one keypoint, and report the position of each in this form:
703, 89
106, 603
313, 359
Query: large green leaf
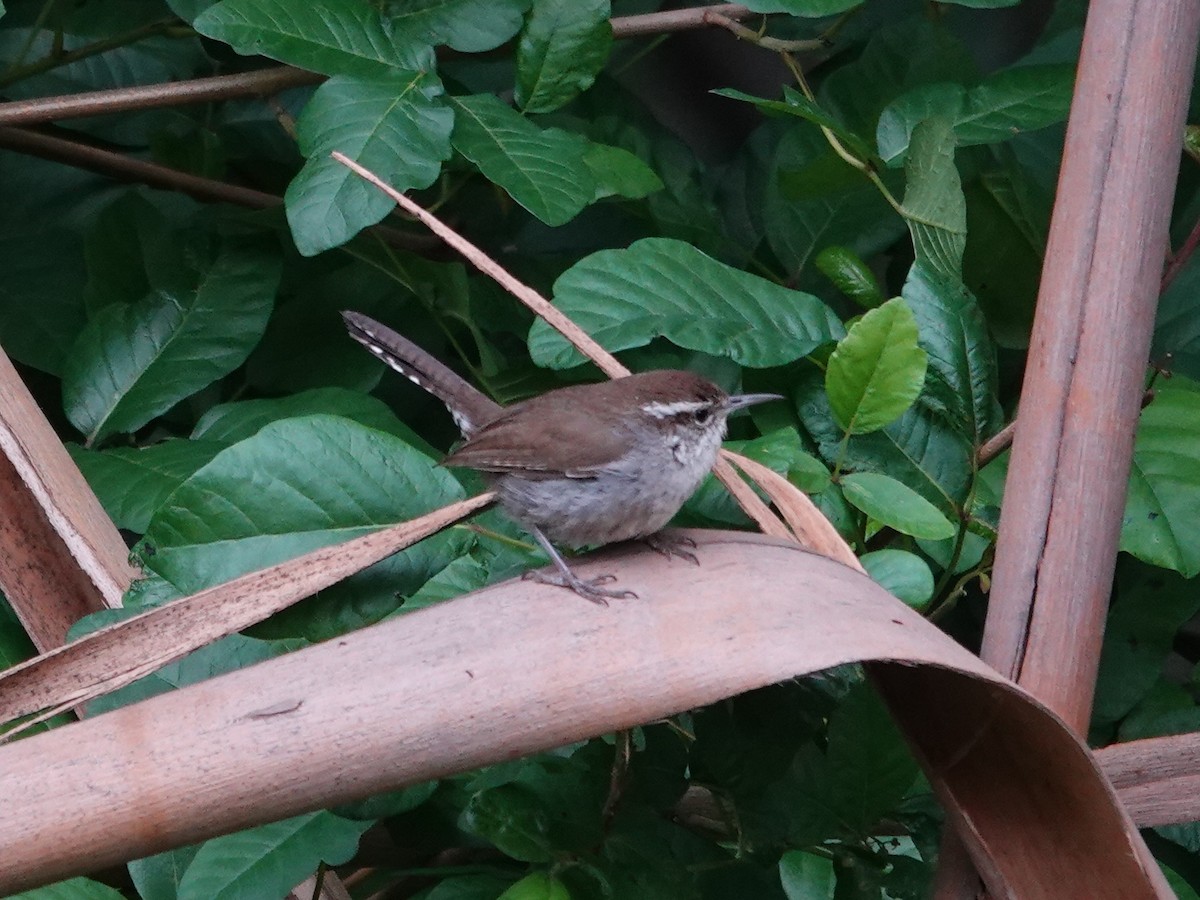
1177, 329
296, 485
157, 877
543, 169
902, 573
469, 26
871, 768
1007, 217
41, 297
661, 287
132, 482
1162, 512
877, 370
335, 37
537, 886
806, 876
134, 362
393, 124
823, 201
896, 505
270, 860
934, 205
1150, 606
906, 53
962, 383
74, 889
564, 45
232, 422
1002, 106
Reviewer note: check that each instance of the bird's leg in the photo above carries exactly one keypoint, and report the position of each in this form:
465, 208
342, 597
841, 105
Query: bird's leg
589, 590
671, 544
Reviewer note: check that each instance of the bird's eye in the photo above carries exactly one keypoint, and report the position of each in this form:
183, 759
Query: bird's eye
702, 415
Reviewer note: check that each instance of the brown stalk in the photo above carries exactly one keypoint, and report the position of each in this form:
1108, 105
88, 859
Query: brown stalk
120, 654
1073, 441
140, 171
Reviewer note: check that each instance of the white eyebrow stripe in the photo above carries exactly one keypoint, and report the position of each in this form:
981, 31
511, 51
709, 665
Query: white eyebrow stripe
667, 410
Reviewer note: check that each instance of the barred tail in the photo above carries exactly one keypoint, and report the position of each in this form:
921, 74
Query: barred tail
469, 407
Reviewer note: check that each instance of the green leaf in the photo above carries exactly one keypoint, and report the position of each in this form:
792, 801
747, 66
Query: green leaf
933, 200
41, 297
806, 876
877, 369
902, 573
133, 482
483, 886
1183, 890
317, 480
270, 860
870, 768
469, 26
334, 37
393, 124
74, 889
1162, 511
134, 362
537, 886
132, 250
157, 877
812, 9
1177, 329
620, 172
1007, 218
896, 505
796, 104
662, 287
962, 383
823, 201
1005, 105
543, 169
850, 275
232, 422
564, 45
904, 54
530, 810
1149, 607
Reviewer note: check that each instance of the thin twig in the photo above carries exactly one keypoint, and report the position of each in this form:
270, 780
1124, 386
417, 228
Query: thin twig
675, 20
1180, 259
261, 82
488, 266
1002, 439
761, 39
140, 171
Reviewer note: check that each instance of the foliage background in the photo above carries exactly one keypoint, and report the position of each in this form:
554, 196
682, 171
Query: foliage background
193, 356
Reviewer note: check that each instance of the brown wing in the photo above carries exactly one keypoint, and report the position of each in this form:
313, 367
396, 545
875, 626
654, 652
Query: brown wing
549, 434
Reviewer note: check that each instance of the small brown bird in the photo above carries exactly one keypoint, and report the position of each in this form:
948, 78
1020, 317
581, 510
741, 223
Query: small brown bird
582, 465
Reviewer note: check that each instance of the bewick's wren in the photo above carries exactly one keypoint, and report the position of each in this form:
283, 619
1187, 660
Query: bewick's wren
582, 465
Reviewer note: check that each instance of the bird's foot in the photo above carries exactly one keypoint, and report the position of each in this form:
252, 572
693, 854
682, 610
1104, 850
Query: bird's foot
671, 545
589, 589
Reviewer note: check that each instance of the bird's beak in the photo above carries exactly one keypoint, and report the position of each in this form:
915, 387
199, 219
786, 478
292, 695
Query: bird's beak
741, 401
